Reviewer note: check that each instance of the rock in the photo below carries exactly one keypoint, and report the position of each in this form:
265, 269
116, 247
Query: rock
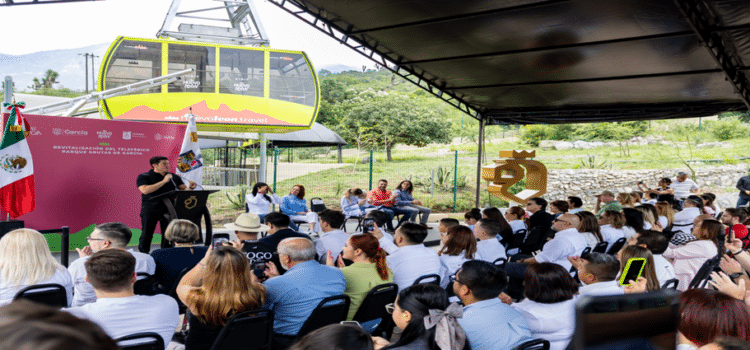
581, 144
563, 145
547, 144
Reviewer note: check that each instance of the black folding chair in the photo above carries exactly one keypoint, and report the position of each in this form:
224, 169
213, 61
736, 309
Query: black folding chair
141, 341
585, 251
249, 330
617, 246
329, 311
51, 294
500, 262
317, 205
671, 284
173, 291
431, 278
64, 242
144, 285
373, 308
359, 222
600, 247
536, 344
701, 277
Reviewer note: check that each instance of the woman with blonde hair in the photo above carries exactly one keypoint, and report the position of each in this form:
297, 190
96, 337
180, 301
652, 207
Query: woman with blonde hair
666, 214
171, 261
459, 246
649, 270
625, 200
649, 220
217, 288
26, 261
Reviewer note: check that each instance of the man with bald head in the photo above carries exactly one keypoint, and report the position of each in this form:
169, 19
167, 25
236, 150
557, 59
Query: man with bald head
294, 295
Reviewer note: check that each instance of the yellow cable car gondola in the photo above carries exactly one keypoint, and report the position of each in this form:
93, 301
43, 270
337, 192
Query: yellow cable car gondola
234, 88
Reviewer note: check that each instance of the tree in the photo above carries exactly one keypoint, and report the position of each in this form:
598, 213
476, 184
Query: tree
50, 77
384, 119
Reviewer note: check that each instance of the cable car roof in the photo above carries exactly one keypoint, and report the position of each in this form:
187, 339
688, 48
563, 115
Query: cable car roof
555, 61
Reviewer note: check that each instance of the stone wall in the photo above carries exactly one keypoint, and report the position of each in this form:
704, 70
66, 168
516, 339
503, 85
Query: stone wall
586, 183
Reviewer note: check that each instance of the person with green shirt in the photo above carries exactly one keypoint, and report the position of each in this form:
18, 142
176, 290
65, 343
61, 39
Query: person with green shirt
608, 198
368, 270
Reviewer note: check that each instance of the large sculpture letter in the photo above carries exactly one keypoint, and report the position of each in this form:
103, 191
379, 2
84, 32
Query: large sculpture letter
506, 172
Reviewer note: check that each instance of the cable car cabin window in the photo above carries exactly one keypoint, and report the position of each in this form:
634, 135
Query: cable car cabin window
291, 79
134, 61
241, 72
200, 58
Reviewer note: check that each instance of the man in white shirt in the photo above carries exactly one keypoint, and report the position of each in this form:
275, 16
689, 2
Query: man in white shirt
488, 248
117, 309
332, 238
567, 242
657, 243
598, 274
683, 186
111, 235
575, 204
409, 258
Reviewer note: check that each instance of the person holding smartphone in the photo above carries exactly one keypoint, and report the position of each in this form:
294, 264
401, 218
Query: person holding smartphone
246, 227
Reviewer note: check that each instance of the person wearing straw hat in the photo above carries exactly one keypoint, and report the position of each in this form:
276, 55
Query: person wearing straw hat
246, 227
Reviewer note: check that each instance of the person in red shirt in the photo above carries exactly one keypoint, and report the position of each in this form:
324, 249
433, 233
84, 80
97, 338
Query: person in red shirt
384, 199
734, 217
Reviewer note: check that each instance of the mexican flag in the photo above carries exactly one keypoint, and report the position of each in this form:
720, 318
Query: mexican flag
16, 167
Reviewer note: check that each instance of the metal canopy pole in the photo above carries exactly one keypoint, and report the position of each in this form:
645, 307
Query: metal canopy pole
262, 167
480, 140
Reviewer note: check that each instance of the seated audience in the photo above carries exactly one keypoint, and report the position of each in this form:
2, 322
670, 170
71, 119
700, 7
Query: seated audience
589, 228
713, 203
427, 320
708, 204
567, 242
633, 221
558, 208
680, 237
471, 217
111, 235
246, 227
539, 225
216, 289
409, 258
506, 232
651, 198
663, 192
637, 197
405, 200
575, 204
261, 198
478, 285
665, 213
117, 309
727, 343
385, 200
367, 271
691, 208
26, 325
549, 307
514, 216
489, 248
459, 246
650, 217
606, 201
610, 226
26, 261
649, 270
657, 243
171, 261
690, 257
278, 230
707, 314
295, 206
733, 218
598, 274
444, 224
294, 295
332, 237
354, 203
336, 337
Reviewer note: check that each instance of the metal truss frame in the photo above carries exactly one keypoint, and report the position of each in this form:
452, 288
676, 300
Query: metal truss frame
37, 2
241, 15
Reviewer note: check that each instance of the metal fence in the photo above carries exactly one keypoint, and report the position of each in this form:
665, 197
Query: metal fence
220, 178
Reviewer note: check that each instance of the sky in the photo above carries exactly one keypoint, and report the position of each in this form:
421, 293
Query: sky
72, 25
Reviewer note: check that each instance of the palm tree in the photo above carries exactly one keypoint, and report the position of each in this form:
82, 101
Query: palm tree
49, 78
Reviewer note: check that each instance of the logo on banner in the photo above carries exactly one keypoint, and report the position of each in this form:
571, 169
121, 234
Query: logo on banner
157, 137
126, 135
104, 134
57, 131
191, 202
35, 131
187, 162
13, 163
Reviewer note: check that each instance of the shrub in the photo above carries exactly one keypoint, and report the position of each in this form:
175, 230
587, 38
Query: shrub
532, 134
727, 128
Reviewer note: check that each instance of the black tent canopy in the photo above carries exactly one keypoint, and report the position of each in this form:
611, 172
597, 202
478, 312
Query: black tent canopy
554, 61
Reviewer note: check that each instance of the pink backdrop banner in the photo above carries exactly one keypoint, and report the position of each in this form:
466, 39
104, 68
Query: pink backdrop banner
85, 169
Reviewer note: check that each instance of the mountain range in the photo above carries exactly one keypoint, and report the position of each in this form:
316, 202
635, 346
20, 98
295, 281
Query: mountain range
71, 66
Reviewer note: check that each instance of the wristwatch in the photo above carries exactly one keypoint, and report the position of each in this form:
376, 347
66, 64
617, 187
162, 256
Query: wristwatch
736, 275
738, 252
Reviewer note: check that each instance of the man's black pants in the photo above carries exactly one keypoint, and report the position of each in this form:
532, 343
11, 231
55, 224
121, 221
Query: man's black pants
149, 219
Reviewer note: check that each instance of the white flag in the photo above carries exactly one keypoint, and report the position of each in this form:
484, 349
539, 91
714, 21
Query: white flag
190, 164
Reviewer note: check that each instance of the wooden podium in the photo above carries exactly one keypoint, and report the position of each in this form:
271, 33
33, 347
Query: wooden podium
189, 205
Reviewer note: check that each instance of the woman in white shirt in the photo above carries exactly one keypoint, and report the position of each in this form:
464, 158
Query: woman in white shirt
260, 200
26, 261
515, 215
691, 208
549, 307
354, 203
665, 213
589, 228
649, 217
459, 246
688, 258
610, 224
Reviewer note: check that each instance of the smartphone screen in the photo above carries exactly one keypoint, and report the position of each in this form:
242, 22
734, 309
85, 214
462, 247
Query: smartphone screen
367, 225
218, 240
632, 270
258, 269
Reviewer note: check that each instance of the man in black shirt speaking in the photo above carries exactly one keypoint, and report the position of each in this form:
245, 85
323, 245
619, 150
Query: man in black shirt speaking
153, 183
